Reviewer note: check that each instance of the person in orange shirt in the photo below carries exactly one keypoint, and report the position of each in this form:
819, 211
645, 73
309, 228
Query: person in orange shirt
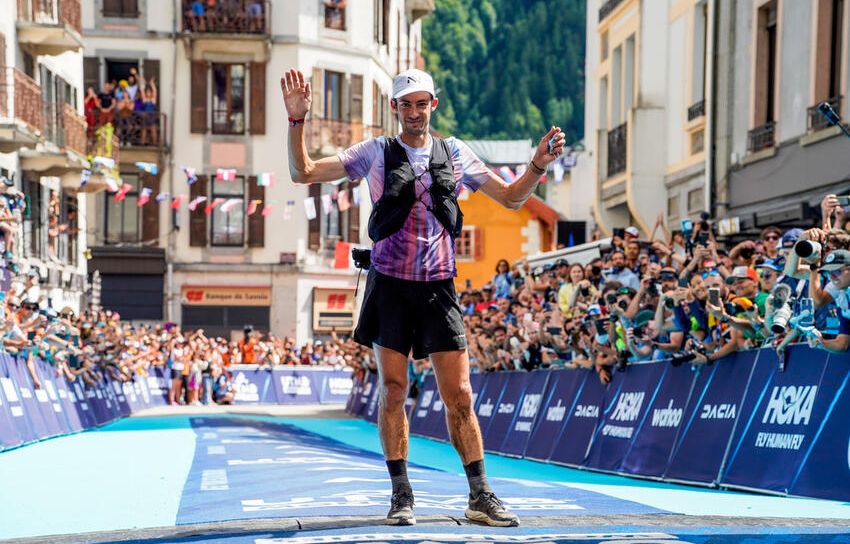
246, 347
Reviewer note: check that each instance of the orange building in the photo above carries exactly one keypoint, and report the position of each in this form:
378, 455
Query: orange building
492, 232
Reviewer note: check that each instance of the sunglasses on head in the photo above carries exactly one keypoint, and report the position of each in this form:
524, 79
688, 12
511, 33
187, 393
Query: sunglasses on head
623, 291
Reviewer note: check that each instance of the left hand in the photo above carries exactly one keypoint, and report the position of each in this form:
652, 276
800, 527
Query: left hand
542, 157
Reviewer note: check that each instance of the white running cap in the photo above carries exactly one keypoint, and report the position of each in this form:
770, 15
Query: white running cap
411, 81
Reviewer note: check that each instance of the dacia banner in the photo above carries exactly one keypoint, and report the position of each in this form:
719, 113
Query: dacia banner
653, 443
624, 415
506, 409
712, 413
561, 398
527, 412
575, 440
782, 423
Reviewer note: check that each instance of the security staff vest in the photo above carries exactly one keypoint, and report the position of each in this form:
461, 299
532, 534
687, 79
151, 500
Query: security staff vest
399, 196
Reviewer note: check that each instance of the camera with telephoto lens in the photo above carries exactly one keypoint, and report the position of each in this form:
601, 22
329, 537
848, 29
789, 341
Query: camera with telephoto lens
779, 308
362, 258
808, 251
622, 360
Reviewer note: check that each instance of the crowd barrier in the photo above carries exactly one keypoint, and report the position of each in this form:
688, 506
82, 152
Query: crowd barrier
739, 423
60, 407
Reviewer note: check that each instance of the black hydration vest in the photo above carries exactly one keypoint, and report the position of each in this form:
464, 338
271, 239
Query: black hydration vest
399, 196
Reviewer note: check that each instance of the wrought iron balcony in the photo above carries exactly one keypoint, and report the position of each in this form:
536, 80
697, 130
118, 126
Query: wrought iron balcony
65, 127
696, 111
133, 129
617, 150
20, 98
818, 121
50, 27
761, 137
608, 7
227, 17
328, 136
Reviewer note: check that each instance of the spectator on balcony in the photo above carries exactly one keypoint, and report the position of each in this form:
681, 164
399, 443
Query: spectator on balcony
124, 115
255, 17
90, 107
132, 86
106, 103
147, 108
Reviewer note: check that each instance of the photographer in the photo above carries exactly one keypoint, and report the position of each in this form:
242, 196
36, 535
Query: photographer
837, 265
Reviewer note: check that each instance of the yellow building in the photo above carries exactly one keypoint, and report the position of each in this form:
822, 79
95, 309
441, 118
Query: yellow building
492, 232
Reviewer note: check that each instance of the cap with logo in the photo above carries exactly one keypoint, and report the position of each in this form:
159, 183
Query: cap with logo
773, 264
411, 81
742, 272
633, 231
790, 237
835, 260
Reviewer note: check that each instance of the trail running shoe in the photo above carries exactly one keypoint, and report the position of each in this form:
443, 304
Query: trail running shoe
401, 509
487, 508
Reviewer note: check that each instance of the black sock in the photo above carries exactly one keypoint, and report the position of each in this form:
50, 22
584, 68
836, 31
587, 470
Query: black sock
476, 477
398, 475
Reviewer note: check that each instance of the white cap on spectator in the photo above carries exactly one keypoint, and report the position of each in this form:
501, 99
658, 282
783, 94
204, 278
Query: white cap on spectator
633, 231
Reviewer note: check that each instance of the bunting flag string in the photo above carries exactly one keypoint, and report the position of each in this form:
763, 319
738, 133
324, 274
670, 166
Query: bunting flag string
144, 196
111, 184
507, 174
225, 174
342, 201
148, 167
355, 191
230, 204
107, 162
175, 203
217, 201
190, 175
162, 197
252, 206
310, 207
326, 204
266, 179
267, 210
196, 202
84, 178
288, 207
120, 195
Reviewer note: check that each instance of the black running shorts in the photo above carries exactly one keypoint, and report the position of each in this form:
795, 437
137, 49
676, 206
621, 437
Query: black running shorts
402, 315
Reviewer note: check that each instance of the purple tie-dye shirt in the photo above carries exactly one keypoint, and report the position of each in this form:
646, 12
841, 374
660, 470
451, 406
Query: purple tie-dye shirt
422, 250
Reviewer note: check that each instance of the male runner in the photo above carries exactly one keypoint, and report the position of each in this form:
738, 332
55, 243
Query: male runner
410, 302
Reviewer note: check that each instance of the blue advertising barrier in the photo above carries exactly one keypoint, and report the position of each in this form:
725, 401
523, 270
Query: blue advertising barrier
739, 423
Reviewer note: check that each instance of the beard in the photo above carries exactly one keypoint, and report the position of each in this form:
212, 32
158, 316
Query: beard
418, 129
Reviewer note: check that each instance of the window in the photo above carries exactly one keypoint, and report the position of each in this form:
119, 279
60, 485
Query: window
381, 21
616, 86
332, 224
335, 14
120, 8
628, 76
228, 228
603, 43
673, 206
827, 71
68, 229
695, 200
123, 218
464, 244
700, 38
228, 98
33, 220
765, 63
333, 95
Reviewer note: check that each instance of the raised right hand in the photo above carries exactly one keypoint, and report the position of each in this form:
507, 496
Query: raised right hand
297, 95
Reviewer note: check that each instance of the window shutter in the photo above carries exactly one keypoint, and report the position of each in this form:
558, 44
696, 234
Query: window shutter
315, 233
355, 107
318, 85
130, 8
258, 98
112, 8
199, 97
91, 74
478, 241
197, 218
150, 69
256, 221
353, 217
150, 211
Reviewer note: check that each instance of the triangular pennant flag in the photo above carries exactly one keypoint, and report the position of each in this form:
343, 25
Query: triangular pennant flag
225, 174
111, 184
148, 167
267, 210
208, 210
355, 191
266, 179
144, 197
106, 162
507, 174
342, 201
175, 203
230, 204
310, 207
84, 178
162, 197
196, 202
326, 204
288, 207
342, 252
190, 175
252, 206
119, 196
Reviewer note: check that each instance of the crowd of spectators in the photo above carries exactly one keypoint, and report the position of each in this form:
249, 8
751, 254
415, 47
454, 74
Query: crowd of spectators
128, 105
681, 296
232, 16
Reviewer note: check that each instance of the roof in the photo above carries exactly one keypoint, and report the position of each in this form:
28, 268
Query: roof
542, 211
501, 152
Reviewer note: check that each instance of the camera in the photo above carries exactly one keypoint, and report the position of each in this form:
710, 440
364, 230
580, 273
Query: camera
779, 304
652, 290
611, 298
585, 291
808, 251
622, 361
702, 238
669, 303
595, 270
362, 258
623, 304
747, 253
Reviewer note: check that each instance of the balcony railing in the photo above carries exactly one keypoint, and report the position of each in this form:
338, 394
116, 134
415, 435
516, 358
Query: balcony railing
818, 121
332, 134
20, 97
65, 127
608, 7
135, 128
696, 111
51, 12
617, 146
227, 17
761, 137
